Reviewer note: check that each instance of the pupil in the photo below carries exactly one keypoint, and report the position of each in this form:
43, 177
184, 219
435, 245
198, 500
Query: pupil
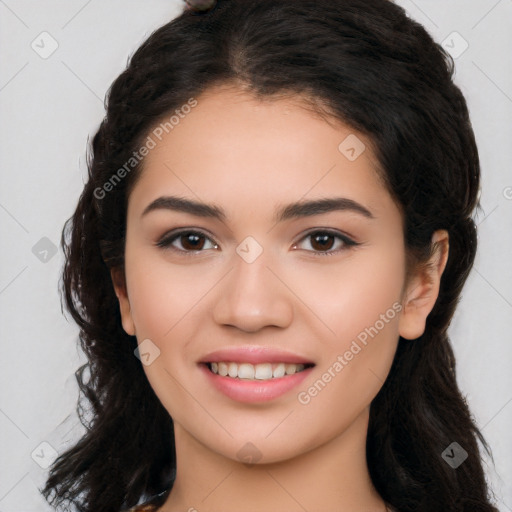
323, 239
192, 241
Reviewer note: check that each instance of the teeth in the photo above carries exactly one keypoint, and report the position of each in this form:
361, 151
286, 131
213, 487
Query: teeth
279, 370
232, 370
223, 369
244, 371
263, 371
290, 369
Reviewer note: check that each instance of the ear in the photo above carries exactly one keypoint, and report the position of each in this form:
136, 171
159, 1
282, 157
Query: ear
423, 289
119, 282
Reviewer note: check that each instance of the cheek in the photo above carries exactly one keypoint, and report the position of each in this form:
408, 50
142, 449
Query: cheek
353, 369
349, 297
360, 305
162, 294
164, 299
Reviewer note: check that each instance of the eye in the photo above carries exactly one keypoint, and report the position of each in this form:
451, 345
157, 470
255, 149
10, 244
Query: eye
190, 241
323, 241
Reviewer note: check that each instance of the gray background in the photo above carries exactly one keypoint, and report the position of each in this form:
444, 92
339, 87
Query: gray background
51, 104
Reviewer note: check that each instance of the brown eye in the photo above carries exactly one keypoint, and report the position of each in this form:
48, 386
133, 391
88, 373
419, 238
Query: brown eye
192, 241
189, 241
322, 242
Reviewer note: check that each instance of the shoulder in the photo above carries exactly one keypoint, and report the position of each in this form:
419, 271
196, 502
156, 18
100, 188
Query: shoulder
150, 505
142, 508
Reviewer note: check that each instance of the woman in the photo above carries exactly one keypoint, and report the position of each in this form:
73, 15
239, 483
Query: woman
264, 264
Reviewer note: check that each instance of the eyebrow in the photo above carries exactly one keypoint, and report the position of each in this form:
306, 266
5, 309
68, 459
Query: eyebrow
291, 211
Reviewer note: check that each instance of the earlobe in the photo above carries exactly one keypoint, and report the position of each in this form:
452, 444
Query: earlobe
423, 290
119, 282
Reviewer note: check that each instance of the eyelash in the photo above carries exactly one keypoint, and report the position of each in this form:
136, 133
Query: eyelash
166, 241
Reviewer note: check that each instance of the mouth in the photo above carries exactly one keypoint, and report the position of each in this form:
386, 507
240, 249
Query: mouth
259, 372
254, 375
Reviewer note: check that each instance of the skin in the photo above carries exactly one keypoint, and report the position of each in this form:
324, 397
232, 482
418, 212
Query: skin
250, 156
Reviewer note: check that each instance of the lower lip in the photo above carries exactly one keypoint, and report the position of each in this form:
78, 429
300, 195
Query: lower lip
251, 391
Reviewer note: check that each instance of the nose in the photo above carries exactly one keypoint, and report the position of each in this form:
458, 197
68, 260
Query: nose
253, 297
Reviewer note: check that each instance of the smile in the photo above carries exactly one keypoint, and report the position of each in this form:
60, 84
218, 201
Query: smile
254, 383
262, 371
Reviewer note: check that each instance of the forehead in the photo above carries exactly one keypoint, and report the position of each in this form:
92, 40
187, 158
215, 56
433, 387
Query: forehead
233, 147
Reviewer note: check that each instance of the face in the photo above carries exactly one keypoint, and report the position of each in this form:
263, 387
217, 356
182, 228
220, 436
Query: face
302, 305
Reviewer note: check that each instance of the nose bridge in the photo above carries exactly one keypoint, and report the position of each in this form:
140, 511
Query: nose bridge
252, 297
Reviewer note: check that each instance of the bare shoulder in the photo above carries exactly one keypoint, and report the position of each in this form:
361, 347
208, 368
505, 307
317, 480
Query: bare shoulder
142, 508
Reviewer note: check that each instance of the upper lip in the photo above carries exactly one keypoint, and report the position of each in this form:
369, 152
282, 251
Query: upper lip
254, 355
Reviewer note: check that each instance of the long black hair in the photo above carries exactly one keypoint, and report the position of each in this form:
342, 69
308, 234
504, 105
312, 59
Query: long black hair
372, 67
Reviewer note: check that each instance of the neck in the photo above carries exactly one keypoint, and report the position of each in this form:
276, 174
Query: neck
333, 476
